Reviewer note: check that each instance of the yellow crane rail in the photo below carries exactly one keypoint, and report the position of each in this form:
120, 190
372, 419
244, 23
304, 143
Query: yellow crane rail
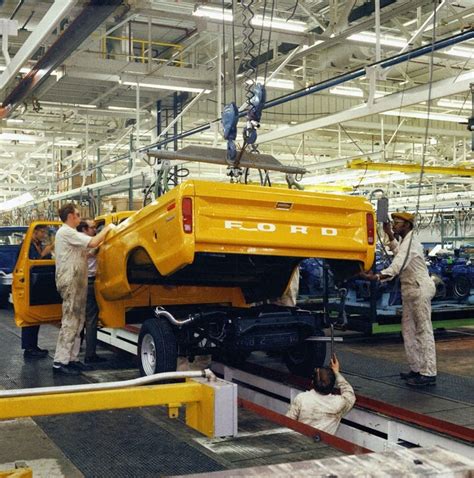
409, 168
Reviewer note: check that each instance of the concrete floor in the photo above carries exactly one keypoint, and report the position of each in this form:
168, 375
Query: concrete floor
130, 442
66, 446
454, 349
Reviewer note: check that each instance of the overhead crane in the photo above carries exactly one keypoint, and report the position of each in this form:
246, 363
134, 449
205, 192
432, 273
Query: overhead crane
366, 165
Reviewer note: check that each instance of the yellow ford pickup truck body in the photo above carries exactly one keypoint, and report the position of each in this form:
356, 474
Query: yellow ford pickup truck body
196, 235
206, 244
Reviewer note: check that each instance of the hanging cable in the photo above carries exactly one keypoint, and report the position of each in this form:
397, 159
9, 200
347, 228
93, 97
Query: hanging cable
292, 14
223, 51
249, 45
260, 42
234, 72
269, 40
423, 157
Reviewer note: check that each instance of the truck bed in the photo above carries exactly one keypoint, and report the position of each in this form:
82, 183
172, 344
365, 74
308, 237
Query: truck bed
232, 235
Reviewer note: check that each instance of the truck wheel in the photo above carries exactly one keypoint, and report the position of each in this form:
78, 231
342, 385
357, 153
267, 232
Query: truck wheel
305, 357
462, 287
157, 347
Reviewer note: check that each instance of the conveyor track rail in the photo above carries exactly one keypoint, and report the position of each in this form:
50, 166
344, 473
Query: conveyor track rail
371, 426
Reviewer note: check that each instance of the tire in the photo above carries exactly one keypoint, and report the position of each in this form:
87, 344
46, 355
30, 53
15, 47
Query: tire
305, 357
157, 348
462, 287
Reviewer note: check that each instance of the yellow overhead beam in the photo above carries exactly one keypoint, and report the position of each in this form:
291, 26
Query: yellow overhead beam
409, 168
314, 187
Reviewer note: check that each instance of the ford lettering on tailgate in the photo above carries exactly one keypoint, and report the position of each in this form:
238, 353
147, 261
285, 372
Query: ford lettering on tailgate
269, 227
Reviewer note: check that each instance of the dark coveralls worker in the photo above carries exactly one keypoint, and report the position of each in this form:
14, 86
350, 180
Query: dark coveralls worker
29, 335
92, 310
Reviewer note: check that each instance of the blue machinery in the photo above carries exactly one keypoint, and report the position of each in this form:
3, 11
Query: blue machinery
376, 308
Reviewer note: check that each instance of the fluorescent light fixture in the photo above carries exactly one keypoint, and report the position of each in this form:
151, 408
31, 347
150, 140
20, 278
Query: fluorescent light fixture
424, 115
454, 104
278, 83
67, 142
39, 155
68, 105
351, 91
353, 177
386, 40
16, 202
214, 13
279, 24
120, 108
22, 138
462, 52
158, 86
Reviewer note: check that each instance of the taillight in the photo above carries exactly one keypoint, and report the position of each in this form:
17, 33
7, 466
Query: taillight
370, 229
187, 209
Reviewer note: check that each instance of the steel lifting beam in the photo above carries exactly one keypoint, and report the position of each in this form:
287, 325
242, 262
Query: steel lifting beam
211, 406
202, 154
409, 168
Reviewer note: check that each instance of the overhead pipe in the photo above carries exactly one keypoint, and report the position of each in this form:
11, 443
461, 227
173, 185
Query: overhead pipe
5, 53
91, 17
17, 8
324, 85
91, 387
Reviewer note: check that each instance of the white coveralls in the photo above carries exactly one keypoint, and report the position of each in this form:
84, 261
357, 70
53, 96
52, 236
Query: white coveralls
289, 297
71, 282
323, 412
417, 291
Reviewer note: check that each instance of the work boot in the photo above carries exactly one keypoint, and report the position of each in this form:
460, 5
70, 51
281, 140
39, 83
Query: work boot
35, 353
60, 368
422, 381
408, 375
80, 366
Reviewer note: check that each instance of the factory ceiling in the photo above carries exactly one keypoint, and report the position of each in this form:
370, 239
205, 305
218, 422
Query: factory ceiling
344, 81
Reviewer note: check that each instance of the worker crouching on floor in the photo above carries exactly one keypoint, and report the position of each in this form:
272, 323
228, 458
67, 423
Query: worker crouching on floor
71, 282
417, 289
320, 407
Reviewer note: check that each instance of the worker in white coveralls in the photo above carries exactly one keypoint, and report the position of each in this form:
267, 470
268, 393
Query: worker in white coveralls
71, 282
417, 289
320, 407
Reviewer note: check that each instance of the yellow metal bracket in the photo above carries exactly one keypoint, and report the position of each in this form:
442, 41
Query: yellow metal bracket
21, 470
173, 409
199, 397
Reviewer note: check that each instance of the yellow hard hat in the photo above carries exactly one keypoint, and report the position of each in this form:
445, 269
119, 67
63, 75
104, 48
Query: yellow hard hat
405, 216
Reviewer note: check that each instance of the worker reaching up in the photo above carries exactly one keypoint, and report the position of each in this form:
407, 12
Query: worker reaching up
320, 407
417, 291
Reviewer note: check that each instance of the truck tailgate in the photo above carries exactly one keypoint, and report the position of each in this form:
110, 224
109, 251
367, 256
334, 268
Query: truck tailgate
272, 221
